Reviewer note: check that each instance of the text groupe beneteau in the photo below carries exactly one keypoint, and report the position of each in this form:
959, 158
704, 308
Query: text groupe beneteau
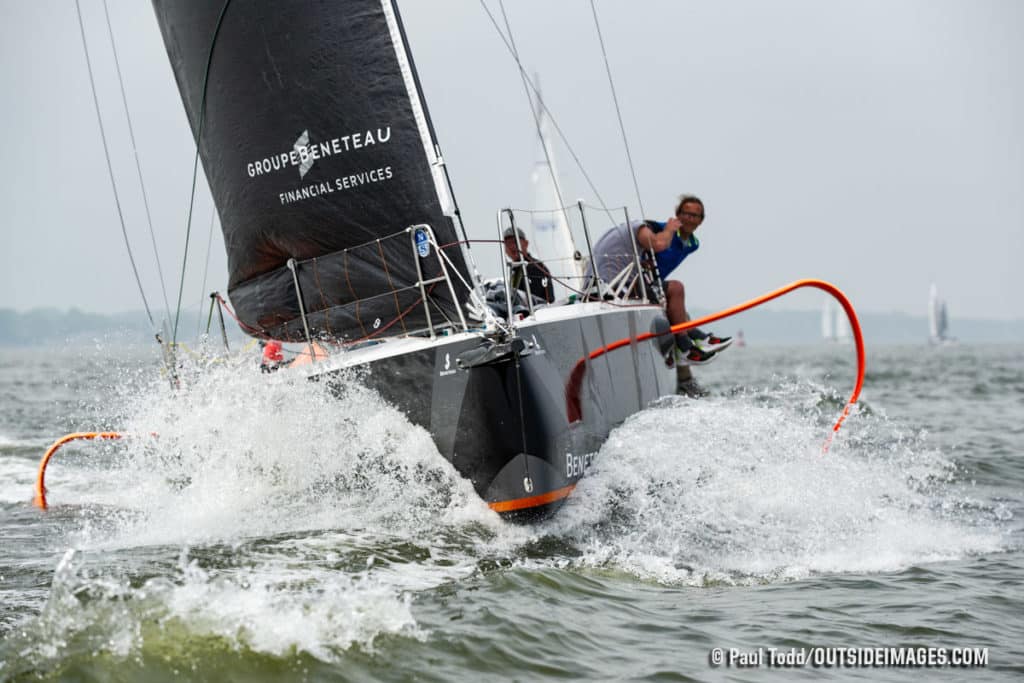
302, 154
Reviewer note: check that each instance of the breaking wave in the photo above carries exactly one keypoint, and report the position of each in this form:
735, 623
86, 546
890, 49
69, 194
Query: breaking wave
737, 490
299, 515
284, 517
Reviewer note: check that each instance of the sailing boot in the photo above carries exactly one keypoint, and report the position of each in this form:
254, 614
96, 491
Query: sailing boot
708, 341
688, 354
712, 343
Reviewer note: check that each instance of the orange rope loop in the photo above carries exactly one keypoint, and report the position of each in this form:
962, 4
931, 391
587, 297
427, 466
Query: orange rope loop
40, 489
572, 388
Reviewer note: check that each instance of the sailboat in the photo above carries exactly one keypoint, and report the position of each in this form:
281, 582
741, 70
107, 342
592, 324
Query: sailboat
938, 319
828, 317
844, 335
835, 326
340, 227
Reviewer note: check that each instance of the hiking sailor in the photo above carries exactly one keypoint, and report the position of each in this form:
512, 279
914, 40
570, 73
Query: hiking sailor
671, 242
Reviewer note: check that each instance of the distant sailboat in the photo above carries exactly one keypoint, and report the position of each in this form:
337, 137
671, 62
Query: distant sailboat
844, 335
552, 237
938, 319
835, 326
828, 330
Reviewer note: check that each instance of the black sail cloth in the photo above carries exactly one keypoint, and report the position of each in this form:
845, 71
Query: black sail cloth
317, 146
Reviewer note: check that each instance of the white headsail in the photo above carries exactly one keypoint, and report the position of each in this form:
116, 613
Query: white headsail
551, 238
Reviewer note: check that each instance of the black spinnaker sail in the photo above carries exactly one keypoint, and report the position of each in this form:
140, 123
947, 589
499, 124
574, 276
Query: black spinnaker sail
317, 146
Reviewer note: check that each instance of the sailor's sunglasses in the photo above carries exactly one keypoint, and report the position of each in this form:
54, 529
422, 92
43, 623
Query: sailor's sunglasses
691, 214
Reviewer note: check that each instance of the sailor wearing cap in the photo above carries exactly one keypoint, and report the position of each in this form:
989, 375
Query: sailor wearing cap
520, 261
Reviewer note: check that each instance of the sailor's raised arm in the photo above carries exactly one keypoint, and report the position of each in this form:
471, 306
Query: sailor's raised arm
657, 241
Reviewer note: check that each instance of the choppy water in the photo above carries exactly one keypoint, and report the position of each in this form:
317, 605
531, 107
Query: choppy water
274, 533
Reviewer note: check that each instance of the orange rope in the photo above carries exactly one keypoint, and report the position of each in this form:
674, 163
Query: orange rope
572, 388
40, 498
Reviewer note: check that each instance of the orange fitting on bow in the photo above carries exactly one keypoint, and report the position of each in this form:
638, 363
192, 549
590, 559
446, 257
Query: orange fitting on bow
40, 498
572, 388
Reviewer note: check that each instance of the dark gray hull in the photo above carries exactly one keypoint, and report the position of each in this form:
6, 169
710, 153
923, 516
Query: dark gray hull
504, 421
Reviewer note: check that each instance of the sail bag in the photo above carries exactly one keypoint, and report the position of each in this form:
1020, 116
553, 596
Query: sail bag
317, 147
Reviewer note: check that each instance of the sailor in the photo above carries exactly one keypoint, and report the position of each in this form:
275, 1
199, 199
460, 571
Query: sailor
520, 259
671, 242
272, 356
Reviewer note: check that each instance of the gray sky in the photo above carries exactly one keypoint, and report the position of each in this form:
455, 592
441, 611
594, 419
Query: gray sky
872, 143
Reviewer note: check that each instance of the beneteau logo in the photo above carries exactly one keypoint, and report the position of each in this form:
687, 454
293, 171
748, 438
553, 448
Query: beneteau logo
304, 155
448, 369
301, 146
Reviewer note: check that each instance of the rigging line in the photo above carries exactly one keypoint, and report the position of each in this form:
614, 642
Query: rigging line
536, 113
554, 123
138, 165
110, 167
401, 316
473, 294
598, 208
206, 270
257, 330
618, 110
195, 165
557, 209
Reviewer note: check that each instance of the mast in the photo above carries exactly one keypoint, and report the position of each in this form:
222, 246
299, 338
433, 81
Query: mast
442, 179
419, 106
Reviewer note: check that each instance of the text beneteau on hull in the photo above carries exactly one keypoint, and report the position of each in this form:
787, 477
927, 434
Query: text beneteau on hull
338, 222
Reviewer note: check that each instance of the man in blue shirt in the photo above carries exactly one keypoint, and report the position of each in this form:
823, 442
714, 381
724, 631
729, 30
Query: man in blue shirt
671, 243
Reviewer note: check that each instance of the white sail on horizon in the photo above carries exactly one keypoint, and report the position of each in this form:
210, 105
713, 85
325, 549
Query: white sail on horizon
827, 319
938, 318
844, 334
835, 326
